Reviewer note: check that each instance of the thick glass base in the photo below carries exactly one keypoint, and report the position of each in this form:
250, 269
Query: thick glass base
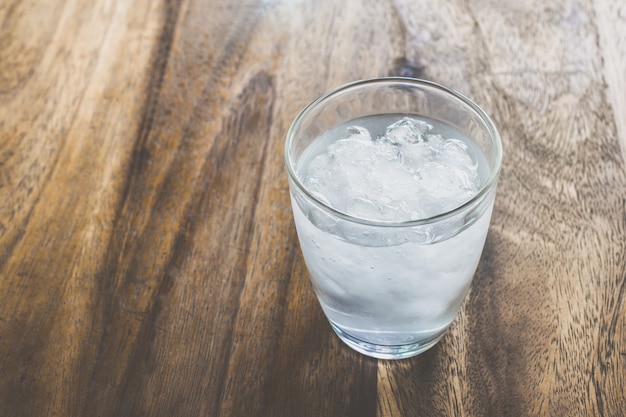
387, 351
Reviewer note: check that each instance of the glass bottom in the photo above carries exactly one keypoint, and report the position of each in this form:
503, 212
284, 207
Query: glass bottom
387, 351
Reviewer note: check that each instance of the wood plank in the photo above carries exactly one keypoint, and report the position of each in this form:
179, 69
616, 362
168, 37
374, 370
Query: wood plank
64, 145
549, 289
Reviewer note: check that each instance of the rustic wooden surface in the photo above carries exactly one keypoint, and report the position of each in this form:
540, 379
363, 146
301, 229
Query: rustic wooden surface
148, 260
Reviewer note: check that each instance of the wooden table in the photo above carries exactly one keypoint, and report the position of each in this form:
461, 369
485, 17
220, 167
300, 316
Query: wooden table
149, 264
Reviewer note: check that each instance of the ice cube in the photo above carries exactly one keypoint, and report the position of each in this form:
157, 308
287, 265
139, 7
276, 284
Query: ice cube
410, 172
407, 131
446, 185
358, 132
458, 153
364, 208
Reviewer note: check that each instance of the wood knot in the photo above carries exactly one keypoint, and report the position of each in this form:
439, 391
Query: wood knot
402, 67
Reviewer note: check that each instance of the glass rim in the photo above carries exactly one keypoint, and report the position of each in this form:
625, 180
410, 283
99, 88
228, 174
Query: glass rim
484, 189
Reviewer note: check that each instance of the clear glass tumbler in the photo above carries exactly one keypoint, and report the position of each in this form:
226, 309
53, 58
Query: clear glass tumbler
390, 288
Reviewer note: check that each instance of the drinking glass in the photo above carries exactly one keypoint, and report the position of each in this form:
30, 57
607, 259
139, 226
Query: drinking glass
391, 288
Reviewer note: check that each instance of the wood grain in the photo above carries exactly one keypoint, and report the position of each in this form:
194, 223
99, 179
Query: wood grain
148, 261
